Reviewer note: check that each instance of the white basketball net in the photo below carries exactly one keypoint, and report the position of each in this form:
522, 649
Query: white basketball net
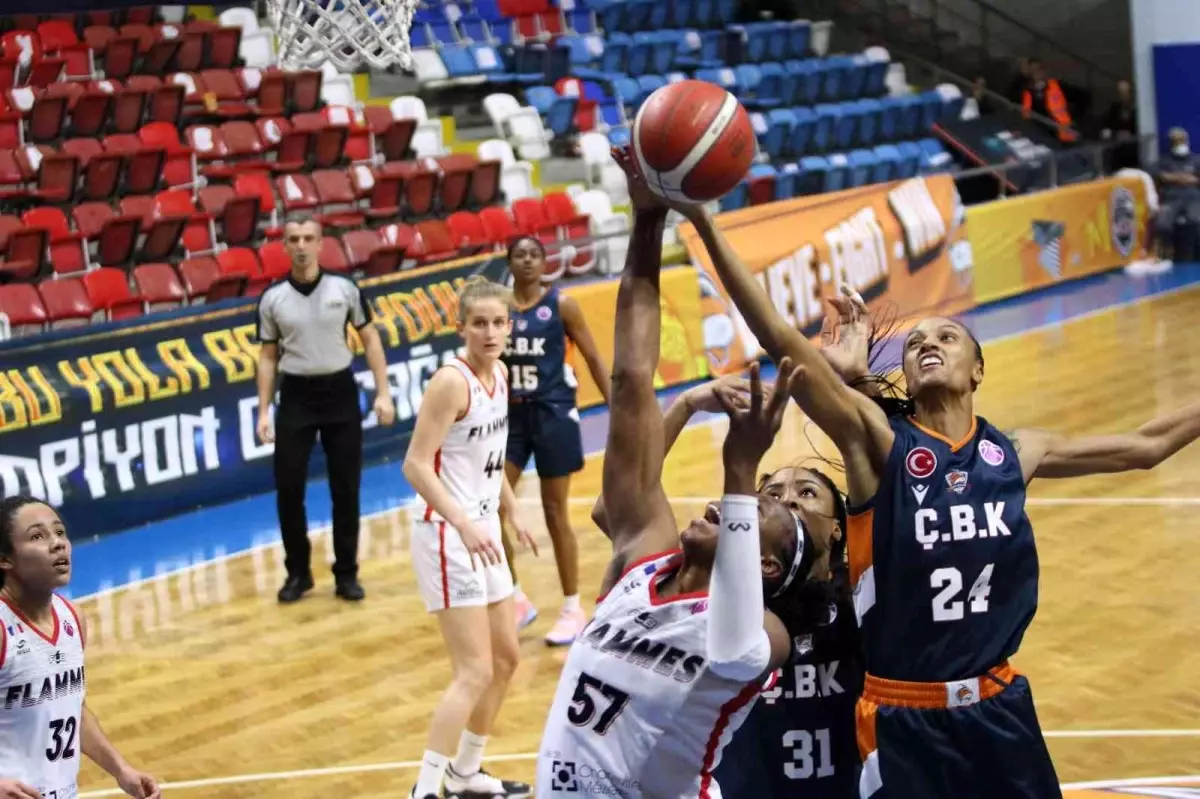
347, 33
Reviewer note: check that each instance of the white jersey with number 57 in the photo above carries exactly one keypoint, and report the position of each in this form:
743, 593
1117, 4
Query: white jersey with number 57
638, 713
42, 683
470, 461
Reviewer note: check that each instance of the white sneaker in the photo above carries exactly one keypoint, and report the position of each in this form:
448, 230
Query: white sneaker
482, 785
569, 625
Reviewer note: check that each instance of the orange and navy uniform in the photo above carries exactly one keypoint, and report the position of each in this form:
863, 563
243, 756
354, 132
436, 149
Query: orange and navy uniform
945, 576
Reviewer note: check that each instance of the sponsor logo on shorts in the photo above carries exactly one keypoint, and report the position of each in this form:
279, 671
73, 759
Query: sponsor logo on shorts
569, 776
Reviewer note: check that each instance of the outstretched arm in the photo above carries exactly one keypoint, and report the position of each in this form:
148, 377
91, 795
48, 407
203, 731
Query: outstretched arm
856, 426
640, 520
1048, 455
707, 397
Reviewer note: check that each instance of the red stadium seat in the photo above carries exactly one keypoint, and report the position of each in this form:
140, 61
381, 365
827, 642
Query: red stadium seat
433, 242
68, 252
162, 233
275, 261
179, 171
467, 229
498, 225
373, 254
573, 227
108, 290
485, 184
333, 254
198, 275
337, 199
258, 184
199, 234
159, 286
22, 304
66, 301
115, 237
297, 193
384, 193
239, 261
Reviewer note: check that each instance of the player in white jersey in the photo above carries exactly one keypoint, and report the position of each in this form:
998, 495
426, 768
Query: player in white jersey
681, 641
44, 723
455, 461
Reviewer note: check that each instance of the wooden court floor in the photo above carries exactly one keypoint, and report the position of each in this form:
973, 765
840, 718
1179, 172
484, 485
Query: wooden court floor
201, 676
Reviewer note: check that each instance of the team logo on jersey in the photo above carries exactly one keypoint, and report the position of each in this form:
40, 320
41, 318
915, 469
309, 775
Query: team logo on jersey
522, 324
68, 629
645, 619
964, 694
700, 607
920, 462
23, 647
803, 644
956, 481
57, 658
919, 492
543, 313
991, 452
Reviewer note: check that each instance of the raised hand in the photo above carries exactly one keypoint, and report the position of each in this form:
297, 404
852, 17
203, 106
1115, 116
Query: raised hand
639, 193
846, 337
752, 429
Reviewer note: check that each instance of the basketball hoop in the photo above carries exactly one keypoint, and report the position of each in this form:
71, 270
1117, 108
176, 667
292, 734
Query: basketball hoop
347, 33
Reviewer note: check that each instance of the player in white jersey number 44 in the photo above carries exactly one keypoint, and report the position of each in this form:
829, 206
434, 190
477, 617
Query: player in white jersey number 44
44, 723
690, 623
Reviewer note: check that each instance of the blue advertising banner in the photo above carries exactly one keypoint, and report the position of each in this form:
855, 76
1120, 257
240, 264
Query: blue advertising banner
118, 425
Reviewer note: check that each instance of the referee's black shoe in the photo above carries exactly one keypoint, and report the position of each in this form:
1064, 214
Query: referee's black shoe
294, 588
350, 589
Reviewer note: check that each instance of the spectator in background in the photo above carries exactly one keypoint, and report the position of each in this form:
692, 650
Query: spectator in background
1020, 82
1120, 125
1179, 193
978, 104
1045, 96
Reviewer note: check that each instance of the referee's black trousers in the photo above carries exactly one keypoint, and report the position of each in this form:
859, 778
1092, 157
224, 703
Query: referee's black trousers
328, 405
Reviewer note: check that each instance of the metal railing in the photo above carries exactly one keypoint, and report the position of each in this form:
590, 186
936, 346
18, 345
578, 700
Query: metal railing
986, 34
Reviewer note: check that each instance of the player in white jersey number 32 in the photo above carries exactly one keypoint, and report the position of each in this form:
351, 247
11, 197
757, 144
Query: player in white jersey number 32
44, 723
689, 623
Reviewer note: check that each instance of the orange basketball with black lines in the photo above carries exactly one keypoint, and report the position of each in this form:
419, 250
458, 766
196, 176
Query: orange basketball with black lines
693, 141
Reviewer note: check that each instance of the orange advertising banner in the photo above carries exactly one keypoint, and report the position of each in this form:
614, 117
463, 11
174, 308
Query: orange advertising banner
1027, 243
903, 244
681, 350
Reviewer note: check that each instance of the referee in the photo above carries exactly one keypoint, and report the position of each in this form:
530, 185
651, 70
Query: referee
302, 327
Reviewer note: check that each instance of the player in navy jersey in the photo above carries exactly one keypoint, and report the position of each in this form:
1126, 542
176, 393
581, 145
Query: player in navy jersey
543, 419
942, 558
799, 738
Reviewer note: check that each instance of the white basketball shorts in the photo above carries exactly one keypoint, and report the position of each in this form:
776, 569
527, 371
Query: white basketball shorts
445, 577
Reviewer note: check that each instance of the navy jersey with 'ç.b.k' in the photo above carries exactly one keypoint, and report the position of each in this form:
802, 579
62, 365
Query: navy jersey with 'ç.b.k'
943, 561
799, 739
536, 354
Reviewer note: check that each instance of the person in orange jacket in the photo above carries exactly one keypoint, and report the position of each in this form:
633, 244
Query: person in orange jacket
1045, 96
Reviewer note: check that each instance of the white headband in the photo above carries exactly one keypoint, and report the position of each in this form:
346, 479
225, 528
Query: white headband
799, 556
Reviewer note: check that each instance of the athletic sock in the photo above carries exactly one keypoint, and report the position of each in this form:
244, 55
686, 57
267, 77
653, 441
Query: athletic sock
571, 603
433, 772
470, 753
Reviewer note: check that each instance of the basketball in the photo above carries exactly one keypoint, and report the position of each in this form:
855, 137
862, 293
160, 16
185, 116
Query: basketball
693, 141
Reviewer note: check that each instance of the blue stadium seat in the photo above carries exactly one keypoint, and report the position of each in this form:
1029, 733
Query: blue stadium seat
618, 137
871, 113
888, 166
616, 50
839, 168
659, 16
628, 95
803, 126
726, 78
779, 123
641, 51
419, 37
808, 80
876, 84
442, 32
610, 14
704, 13
813, 169
787, 182
799, 38
585, 53
582, 21
737, 198
648, 84
862, 165
475, 29
459, 62
541, 98
845, 128
662, 59
910, 159
725, 11
931, 109
489, 64
910, 117
836, 69
934, 157
749, 81
855, 81
889, 120
827, 120
754, 41
776, 82
952, 102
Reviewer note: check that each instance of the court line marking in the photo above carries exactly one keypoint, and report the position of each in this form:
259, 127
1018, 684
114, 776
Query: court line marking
711, 420
402, 765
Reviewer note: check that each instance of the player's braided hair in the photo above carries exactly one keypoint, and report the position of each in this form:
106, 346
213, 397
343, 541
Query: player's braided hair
9, 508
